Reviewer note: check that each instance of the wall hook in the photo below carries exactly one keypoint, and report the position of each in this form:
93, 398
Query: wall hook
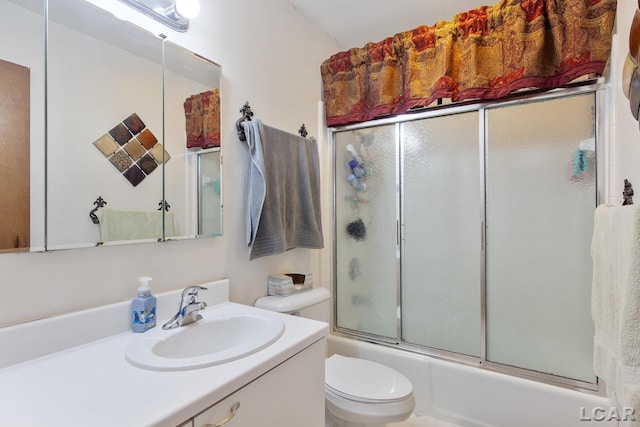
627, 193
99, 202
246, 117
164, 205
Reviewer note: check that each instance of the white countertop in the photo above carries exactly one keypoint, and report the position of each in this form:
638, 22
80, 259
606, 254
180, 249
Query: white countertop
94, 385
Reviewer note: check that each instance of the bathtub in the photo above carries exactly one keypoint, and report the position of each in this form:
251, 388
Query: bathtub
468, 396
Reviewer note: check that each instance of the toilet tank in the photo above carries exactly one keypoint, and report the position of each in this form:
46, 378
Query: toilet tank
312, 304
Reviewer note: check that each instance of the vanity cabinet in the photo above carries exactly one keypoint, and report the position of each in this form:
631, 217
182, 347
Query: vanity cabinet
289, 395
230, 412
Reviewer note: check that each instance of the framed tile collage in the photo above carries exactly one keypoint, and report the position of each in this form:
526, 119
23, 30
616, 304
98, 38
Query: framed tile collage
132, 149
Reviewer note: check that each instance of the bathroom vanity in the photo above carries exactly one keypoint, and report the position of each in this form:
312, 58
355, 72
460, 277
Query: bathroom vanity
91, 382
285, 396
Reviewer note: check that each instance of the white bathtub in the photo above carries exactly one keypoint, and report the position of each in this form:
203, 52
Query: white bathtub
474, 397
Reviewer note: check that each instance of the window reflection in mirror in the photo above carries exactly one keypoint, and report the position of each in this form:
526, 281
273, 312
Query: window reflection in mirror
192, 128
209, 193
22, 125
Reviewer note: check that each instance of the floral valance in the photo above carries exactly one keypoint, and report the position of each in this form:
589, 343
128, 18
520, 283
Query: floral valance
486, 53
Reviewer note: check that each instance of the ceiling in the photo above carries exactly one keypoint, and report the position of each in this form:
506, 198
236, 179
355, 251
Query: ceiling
353, 23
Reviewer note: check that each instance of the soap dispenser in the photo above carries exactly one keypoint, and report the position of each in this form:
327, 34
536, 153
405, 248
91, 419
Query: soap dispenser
143, 307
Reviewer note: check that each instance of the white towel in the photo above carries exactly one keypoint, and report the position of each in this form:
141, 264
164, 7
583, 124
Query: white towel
615, 302
123, 225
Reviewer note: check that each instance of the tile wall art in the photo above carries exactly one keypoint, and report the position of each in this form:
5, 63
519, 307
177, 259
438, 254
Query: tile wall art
132, 149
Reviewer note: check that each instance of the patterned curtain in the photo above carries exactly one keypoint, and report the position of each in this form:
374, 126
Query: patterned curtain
202, 119
486, 53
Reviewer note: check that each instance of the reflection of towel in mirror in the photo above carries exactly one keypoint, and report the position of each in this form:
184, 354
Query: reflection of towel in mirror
283, 191
202, 119
118, 225
615, 302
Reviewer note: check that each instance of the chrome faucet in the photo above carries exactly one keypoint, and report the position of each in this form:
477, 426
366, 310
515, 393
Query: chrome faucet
189, 308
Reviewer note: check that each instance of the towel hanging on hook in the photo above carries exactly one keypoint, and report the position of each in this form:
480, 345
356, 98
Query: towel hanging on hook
247, 114
283, 202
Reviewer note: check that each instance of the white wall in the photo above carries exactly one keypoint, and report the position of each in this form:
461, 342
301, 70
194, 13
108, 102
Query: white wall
270, 56
625, 134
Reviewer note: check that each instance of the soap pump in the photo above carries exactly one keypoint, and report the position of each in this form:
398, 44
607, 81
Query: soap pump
143, 307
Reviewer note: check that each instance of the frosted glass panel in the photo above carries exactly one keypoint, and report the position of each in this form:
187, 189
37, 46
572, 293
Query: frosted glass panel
441, 252
209, 194
540, 200
366, 245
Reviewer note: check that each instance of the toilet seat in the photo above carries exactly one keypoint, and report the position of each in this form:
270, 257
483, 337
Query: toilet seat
359, 392
362, 414
364, 381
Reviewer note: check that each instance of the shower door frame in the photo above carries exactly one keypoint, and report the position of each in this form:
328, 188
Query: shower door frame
600, 91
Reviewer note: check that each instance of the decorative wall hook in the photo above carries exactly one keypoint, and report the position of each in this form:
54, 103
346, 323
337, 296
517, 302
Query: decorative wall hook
303, 131
627, 193
164, 205
100, 202
246, 117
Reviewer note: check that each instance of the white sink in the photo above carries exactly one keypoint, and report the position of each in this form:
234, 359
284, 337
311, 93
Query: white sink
220, 336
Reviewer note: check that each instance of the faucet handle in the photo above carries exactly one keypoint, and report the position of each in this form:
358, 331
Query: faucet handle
191, 292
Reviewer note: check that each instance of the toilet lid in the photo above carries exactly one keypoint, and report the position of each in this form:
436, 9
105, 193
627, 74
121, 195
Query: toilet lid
365, 381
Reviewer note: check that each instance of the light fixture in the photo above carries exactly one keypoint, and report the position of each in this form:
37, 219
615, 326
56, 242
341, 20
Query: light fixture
174, 14
188, 8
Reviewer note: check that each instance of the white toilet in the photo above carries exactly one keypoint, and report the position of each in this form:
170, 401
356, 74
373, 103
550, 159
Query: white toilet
358, 392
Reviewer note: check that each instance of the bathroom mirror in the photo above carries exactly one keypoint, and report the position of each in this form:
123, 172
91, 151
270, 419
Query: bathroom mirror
22, 125
104, 108
114, 142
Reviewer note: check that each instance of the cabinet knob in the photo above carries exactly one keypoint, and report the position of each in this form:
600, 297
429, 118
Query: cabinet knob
232, 414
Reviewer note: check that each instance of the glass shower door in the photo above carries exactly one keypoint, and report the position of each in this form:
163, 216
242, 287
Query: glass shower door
441, 233
466, 233
366, 230
541, 196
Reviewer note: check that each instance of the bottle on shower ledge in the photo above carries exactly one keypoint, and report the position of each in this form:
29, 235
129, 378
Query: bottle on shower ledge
356, 165
356, 168
355, 183
354, 153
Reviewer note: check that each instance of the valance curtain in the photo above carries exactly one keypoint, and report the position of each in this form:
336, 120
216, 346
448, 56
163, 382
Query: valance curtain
486, 53
202, 119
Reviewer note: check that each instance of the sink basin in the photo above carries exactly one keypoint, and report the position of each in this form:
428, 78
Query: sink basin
219, 337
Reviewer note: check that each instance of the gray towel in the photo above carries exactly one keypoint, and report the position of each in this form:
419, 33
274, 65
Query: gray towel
283, 191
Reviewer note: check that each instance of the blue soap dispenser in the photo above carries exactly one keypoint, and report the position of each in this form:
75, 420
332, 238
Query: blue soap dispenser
143, 307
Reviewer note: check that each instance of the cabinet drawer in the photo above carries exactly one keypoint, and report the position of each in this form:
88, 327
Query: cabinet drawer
230, 412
